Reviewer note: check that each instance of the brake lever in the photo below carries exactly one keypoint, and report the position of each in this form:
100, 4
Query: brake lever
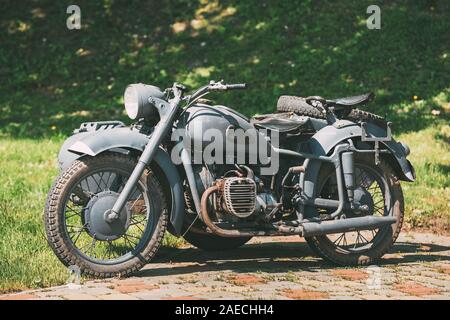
217, 86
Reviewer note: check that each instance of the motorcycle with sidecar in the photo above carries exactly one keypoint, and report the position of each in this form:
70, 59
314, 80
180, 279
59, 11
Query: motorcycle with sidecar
329, 172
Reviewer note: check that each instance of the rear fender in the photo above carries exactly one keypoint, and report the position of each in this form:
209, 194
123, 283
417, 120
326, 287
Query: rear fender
327, 138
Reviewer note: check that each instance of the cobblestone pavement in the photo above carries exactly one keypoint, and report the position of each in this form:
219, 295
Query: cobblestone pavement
418, 267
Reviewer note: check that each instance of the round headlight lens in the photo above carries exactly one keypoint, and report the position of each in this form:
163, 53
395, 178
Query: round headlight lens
131, 101
136, 100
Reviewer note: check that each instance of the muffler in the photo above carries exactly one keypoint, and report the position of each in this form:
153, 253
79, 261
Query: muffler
311, 229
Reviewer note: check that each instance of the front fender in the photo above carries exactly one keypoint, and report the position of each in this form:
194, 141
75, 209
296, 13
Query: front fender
123, 139
328, 137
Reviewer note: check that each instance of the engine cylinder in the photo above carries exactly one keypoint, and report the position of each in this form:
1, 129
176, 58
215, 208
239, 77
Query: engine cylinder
239, 195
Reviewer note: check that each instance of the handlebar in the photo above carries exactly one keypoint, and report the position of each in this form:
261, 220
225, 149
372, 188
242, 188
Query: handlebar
214, 86
220, 86
236, 86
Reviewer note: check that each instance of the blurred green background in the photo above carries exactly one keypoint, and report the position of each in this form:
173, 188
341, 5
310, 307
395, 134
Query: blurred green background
52, 79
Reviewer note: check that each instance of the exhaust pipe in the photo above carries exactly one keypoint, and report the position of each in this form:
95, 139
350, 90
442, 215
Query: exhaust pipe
311, 229
225, 232
307, 229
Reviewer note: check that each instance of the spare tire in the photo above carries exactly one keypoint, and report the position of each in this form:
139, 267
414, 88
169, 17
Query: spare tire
299, 106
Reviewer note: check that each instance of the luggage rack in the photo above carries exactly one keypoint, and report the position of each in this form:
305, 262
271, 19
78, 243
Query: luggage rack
99, 125
376, 140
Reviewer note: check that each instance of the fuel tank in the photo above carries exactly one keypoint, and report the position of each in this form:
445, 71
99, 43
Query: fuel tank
208, 126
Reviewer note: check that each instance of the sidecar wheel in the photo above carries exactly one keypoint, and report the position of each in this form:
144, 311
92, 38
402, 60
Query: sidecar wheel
80, 234
211, 242
365, 249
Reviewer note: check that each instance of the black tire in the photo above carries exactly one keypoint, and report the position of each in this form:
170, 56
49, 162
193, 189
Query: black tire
322, 245
212, 242
299, 106
62, 244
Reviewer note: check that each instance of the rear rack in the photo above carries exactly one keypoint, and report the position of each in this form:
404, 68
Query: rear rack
99, 125
377, 140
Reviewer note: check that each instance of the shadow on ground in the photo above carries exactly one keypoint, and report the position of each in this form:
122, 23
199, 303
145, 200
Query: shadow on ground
275, 257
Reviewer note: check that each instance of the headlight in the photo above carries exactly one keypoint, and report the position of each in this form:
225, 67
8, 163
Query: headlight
136, 101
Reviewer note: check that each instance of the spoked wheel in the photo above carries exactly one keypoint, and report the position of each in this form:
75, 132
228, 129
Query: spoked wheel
376, 187
80, 229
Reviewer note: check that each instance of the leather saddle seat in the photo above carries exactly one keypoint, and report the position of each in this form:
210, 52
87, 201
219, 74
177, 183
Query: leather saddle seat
286, 122
351, 101
294, 112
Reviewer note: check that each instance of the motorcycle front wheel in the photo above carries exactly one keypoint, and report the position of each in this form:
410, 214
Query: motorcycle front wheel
379, 189
80, 233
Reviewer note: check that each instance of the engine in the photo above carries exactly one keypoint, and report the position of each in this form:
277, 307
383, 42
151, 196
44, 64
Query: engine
241, 198
241, 195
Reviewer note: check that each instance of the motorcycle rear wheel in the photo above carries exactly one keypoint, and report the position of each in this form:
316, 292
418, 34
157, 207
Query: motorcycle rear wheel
75, 226
363, 253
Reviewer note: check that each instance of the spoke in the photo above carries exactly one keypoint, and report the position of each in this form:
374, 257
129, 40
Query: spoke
87, 189
338, 240
133, 245
75, 211
107, 251
122, 184
95, 180
87, 186
75, 227
357, 240
101, 179
129, 235
363, 238
79, 234
73, 215
137, 226
91, 248
135, 201
107, 181
110, 250
136, 221
116, 182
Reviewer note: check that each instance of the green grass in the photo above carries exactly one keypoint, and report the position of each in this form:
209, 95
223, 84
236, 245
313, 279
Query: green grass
51, 79
28, 170
427, 200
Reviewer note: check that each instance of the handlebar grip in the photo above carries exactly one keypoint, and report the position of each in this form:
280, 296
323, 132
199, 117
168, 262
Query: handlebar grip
237, 86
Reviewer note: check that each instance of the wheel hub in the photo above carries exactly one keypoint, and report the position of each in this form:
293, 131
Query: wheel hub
101, 225
364, 198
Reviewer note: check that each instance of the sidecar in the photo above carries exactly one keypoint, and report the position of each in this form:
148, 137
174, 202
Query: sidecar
303, 127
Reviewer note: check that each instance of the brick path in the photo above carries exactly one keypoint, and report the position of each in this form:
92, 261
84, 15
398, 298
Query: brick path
418, 267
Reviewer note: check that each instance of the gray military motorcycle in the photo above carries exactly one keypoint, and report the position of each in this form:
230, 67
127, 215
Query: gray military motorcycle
335, 182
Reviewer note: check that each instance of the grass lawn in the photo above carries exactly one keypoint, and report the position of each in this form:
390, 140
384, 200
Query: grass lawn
52, 79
